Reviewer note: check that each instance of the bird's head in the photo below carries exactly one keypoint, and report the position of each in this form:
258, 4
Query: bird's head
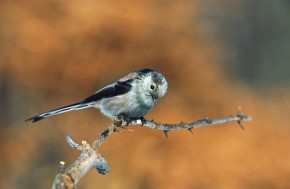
154, 83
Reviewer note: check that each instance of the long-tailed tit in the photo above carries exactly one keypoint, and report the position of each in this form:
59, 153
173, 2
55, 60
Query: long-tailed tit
131, 96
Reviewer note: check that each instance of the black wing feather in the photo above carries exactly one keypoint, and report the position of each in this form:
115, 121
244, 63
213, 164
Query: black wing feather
118, 88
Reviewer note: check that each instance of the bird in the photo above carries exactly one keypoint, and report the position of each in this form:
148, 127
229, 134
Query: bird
130, 97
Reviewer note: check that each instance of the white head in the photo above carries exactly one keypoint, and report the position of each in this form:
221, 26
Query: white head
153, 83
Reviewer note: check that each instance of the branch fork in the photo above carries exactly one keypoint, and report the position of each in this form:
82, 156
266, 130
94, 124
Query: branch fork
67, 178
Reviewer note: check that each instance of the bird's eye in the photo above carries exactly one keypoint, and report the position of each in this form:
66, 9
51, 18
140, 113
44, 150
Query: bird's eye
152, 87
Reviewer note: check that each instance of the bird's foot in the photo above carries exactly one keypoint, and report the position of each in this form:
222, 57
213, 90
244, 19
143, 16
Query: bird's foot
121, 121
143, 120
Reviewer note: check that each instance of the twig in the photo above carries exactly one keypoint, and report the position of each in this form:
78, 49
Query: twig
91, 158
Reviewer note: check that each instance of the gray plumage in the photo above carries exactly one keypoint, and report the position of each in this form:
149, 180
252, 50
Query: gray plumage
131, 96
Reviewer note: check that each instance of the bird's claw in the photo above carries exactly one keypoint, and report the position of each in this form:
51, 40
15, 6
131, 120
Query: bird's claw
121, 120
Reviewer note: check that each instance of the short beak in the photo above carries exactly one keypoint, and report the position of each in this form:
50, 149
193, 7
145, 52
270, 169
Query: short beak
154, 97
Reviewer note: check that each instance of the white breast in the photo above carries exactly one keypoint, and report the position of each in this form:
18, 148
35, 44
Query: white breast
131, 105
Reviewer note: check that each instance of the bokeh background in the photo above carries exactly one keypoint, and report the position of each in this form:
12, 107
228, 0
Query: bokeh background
216, 56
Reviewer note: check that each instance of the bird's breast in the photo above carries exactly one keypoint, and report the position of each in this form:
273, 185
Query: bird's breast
130, 105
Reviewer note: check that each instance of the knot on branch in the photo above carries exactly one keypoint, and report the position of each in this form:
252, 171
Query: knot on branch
101, 165
120, 121
63, 180
61, 168
242, 117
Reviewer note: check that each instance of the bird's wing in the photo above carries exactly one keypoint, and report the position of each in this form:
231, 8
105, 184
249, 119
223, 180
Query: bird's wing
115, 89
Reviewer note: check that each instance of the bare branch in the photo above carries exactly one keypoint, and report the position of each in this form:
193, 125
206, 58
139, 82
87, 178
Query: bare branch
181, 126
73, 144
91, 158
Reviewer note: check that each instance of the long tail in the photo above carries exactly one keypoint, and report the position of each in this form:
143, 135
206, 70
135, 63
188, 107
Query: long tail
76, 106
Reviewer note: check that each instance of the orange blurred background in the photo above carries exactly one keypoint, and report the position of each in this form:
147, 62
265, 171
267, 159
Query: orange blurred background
216, 56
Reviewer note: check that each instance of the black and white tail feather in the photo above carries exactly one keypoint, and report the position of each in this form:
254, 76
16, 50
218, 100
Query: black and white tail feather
76, 106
